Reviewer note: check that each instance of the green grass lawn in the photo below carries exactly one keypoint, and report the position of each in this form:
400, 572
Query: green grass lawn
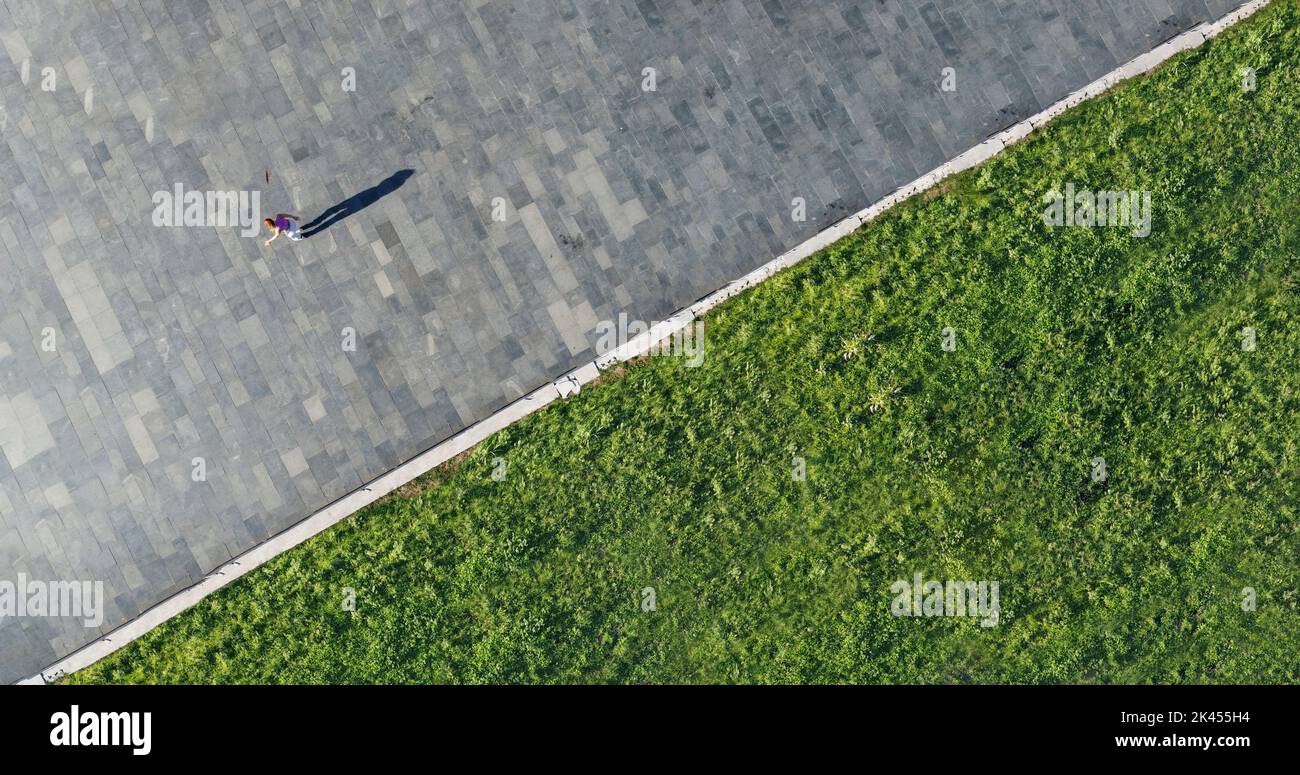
976, 464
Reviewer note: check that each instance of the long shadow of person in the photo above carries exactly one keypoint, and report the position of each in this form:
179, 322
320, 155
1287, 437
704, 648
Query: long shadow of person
355, 203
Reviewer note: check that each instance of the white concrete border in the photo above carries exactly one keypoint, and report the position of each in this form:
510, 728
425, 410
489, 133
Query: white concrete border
571, 383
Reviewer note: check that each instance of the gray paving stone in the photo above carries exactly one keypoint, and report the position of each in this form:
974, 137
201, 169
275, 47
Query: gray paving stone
177, 343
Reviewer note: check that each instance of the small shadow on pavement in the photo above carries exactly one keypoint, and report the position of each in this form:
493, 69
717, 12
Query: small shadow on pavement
356, 203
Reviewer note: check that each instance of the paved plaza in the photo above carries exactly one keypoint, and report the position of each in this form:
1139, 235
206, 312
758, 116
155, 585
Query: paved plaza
172, 395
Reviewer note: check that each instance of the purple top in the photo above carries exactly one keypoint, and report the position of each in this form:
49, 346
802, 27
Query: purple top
282, 223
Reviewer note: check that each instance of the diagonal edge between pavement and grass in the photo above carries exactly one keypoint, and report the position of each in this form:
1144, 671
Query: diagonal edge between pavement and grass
572, 382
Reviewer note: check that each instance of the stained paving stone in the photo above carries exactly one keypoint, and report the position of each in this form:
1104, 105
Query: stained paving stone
171, 344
